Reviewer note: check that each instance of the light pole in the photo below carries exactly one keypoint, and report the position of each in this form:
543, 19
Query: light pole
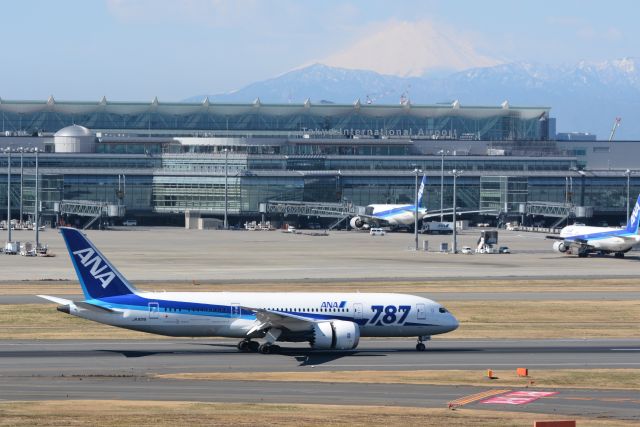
417, 172
8, 150
21, 181
442, 153
628, 175
456, 173
226, 177
37, 207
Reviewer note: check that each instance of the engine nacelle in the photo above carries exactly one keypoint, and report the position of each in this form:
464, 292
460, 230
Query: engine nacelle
335, 335
560, 247
357, 223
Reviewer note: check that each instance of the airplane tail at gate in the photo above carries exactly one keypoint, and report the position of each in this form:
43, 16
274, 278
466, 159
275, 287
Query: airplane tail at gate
421, 190
97, 276
634, 219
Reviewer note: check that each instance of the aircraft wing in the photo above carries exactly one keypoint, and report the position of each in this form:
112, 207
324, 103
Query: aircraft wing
276, 319
449, 211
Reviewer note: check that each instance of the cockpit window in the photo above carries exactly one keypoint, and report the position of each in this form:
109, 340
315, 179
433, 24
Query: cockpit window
443, 310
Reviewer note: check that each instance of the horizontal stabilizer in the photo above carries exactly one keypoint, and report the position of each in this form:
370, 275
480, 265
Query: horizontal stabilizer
88, 306
57, 300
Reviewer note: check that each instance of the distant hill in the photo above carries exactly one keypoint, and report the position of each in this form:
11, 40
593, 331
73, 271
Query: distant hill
584, 97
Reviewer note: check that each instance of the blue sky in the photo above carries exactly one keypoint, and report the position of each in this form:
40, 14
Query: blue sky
138, 49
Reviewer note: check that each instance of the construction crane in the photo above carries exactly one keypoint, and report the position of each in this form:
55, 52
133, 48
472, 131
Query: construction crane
616, 124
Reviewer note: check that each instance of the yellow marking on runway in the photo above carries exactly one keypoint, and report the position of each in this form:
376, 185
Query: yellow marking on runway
475, 397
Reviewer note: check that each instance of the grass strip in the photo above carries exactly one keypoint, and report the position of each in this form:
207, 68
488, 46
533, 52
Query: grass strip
146, 413
622, 379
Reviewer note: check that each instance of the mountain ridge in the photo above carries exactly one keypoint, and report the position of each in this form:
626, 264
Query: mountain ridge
586, 96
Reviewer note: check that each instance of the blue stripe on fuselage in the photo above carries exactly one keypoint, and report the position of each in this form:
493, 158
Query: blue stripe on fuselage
599, 236
395, 211
136, 302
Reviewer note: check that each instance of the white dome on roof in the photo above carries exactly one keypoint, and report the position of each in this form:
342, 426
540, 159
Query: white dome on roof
74, 130
74, 139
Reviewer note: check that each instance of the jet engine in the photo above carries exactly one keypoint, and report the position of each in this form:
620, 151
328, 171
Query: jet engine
335, 335
358, 223
560, 247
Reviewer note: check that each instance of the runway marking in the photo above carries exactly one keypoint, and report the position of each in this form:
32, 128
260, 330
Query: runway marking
519, 397
624, 349
475, 397
577, 365
604, 399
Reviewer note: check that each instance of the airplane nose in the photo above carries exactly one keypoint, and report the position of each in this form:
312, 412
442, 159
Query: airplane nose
453, 323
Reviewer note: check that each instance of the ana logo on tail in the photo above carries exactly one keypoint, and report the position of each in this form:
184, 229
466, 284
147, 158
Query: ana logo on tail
421, 190
632, 226
89, 259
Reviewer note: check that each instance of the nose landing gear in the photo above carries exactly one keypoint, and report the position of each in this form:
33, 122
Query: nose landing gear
420, 346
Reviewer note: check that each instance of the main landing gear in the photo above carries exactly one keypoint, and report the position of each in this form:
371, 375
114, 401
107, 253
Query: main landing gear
420, 346
267, 348
247, 346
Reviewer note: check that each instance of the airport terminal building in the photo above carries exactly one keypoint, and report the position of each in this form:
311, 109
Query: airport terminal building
159, 160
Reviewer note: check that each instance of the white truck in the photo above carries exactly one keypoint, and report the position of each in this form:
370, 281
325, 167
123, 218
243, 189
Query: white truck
435, 227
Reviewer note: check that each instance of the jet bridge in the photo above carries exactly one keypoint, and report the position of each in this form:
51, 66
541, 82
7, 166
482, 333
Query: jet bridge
90, 208
339, 211
562, 211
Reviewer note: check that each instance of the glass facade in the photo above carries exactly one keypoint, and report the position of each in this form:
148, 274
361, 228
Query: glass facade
503, 193
179, 185
322, 121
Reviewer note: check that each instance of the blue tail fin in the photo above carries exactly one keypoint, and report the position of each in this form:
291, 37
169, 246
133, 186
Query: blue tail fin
421, 190
99, 279
632, 226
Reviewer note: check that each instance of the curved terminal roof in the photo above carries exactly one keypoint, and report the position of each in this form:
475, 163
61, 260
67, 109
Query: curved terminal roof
230, 109
443, 121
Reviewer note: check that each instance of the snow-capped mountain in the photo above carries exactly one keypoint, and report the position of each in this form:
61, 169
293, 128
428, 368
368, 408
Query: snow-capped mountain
584, 97
411, 49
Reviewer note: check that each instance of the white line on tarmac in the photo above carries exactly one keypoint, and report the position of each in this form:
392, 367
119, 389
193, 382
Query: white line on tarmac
484, 365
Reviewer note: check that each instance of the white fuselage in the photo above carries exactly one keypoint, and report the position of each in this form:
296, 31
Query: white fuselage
397, 214
601, 238
229, 314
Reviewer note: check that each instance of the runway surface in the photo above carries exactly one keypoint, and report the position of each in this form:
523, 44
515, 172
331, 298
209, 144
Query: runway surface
104, 369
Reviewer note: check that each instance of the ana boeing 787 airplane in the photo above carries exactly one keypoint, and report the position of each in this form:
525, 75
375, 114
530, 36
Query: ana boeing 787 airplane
327, 321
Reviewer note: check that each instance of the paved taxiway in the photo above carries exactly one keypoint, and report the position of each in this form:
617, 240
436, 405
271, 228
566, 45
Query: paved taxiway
176, 254
105, 369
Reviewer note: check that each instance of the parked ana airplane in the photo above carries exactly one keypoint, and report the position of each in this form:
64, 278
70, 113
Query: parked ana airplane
325, 320
585, 239
391, 215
